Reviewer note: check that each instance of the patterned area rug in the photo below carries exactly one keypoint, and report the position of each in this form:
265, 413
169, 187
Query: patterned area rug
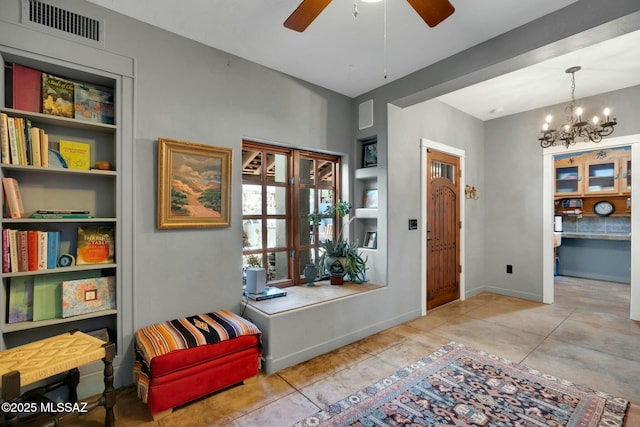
459, 386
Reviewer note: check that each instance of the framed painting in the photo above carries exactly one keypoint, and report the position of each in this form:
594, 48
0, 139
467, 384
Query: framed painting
370, 240
370, 154
194, 185
370, 198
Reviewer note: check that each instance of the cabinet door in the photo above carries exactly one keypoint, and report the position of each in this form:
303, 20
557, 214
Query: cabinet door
625, 176
601, 177
568, 180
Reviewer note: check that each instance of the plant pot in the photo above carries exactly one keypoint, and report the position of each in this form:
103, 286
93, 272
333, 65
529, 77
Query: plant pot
335, 265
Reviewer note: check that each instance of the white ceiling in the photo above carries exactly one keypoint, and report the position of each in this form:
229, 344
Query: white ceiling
348, 55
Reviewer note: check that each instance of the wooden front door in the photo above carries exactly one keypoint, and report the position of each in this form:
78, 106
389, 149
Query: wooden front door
443, 228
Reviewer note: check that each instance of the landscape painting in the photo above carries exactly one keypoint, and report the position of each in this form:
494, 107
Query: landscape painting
194, 185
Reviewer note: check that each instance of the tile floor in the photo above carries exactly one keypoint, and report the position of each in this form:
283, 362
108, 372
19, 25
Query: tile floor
585, 337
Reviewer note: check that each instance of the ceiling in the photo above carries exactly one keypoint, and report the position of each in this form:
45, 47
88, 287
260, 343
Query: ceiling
348, 55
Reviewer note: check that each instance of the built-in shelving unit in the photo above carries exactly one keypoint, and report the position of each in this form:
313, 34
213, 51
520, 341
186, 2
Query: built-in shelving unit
55, 188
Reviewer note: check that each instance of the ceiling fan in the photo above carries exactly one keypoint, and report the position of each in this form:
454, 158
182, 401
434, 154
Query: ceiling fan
432, 11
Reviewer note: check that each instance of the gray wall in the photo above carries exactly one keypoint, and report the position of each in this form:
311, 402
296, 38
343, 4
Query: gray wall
441, 123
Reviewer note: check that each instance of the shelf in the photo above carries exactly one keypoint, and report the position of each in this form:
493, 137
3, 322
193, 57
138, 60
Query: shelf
50, 220
61, 121
366, 213
22, 326
367, 173
39, 169
60, 270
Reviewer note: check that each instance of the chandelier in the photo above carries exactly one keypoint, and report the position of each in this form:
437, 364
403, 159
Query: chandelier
576, 127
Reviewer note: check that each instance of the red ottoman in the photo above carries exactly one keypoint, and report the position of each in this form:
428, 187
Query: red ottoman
184, 359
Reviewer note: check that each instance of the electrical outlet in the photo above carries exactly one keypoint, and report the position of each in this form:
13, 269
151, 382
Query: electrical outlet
509, 269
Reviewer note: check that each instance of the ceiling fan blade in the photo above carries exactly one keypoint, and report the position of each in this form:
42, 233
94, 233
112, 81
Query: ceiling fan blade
432, 11
305, 14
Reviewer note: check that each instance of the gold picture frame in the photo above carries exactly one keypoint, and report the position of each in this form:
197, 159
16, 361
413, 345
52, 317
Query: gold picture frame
194, 185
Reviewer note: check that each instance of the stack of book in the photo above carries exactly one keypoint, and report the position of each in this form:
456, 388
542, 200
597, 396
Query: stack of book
29, 250
22, 143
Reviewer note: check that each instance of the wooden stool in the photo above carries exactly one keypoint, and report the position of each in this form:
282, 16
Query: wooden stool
39, 360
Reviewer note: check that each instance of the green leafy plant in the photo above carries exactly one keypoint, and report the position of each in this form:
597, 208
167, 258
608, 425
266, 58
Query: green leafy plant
352, 264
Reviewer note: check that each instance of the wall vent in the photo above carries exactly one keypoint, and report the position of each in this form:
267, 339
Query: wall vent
56, 18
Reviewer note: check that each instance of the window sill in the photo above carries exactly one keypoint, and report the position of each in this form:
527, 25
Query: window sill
304, 296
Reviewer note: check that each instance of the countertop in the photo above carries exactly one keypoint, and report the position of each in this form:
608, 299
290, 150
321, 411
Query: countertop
598, 236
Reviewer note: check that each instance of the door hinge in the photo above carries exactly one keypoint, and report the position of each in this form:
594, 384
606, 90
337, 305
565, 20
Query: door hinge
292, 180
460, 268
460, 224
292, 254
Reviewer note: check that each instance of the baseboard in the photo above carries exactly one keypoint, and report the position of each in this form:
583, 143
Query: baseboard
271, 366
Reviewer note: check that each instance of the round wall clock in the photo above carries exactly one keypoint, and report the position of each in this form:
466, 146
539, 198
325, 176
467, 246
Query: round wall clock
603, 208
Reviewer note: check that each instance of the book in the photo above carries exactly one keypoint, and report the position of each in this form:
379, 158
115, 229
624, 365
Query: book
32, 250
26, 140
6, 260
47, 292
77, 155
43, 237
53, 248
61, 216
4, 138
93, 103
95, 245
13, 197
36, 159
14, 144
22, 152
13, 250
57, 96
88, 295
62, 211
23, 250
20, 299
44, 148
27, 87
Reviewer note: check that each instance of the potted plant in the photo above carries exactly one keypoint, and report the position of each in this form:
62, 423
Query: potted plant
340, 256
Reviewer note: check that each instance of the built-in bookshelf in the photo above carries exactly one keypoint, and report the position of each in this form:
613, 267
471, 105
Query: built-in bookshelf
54, 187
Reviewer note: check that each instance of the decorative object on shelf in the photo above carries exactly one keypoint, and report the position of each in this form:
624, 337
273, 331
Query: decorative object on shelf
56, 160
310, 273
103, 165
470, 192
88, 295
370, 198
66, 260
370, 240
576, 127
370, 154
194, 185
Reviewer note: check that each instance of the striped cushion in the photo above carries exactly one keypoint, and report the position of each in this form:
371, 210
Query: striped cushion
180, 334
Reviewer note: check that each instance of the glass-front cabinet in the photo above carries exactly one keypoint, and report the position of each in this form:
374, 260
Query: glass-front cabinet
625, 178
601, 176
568, 178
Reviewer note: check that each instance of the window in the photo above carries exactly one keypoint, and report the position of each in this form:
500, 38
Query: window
280, 188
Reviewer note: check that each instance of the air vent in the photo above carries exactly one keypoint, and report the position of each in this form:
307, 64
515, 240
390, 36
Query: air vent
43, 14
